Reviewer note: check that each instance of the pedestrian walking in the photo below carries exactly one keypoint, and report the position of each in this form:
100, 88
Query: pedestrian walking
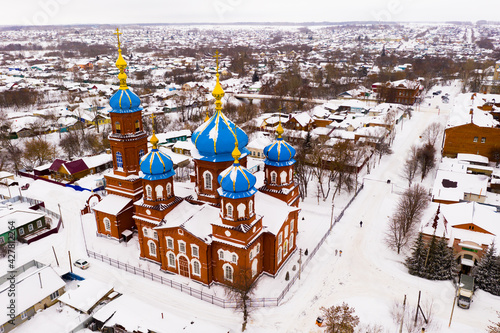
361, 224
340, 253
336, 252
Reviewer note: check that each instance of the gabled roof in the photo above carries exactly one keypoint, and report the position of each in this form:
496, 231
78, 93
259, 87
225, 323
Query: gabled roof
56, 165
75, 166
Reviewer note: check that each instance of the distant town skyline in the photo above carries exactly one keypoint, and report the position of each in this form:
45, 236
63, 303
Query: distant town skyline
59, 12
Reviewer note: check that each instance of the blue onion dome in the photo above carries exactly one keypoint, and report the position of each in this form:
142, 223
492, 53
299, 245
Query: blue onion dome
125, 101
236, 181
155, 164
216, 137
279, 153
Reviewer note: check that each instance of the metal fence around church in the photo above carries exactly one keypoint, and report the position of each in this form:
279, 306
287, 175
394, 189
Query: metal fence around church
207, 297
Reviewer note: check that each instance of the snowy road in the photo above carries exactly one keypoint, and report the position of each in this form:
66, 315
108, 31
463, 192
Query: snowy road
369, 276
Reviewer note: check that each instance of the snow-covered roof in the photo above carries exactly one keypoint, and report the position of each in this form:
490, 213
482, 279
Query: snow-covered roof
137, 316
450, 184
193, 218
97, 160
112, 204
32, 286
472, 158
20, 217
86, 296
274, 211
460, 114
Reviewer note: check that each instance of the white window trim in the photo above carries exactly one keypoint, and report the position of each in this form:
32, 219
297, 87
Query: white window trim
192, 267
275, 176
193, 248
205, 180
181, 244
171, 239
168, 259
229, 209
107, 226
224, 272
149, 192
155, 247
39, 224
280, 254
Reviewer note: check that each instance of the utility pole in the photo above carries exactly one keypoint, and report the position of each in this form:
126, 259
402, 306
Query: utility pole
70, 265
402, 316
57, 261
453, 307
60, 216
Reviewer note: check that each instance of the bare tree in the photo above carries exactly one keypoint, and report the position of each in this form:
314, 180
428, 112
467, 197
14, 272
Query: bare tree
409, 210
339, 319
382, 148
411, 165
341, 166
432, 133
70, 144
494, 327
241, 291
38, 151
426, 158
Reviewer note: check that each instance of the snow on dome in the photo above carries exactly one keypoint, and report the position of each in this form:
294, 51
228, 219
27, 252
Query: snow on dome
125, 101
236, 182
157, 165
215, 139
279, 153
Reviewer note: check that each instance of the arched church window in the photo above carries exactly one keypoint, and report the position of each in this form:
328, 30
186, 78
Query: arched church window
250, 207
229, 210
159, 192
273, 177
107, 224
149, 192
291, 175
228, 273
119, 160
152, 248
169, 190
241, 211
208, 180
283, 177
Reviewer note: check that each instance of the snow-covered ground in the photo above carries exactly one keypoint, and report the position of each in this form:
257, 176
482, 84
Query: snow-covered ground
368, 276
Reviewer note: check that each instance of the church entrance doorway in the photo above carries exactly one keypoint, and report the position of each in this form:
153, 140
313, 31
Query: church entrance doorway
183, 267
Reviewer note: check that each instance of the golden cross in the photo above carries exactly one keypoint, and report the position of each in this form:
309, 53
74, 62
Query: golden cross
217, 56
118, 33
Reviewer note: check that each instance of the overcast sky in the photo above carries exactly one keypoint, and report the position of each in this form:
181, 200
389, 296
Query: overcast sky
48, 12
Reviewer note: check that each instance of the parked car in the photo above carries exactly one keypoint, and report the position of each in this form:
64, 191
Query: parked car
82, 263
437, 92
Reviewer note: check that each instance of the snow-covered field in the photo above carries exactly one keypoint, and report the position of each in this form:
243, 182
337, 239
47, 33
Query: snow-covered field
368, 276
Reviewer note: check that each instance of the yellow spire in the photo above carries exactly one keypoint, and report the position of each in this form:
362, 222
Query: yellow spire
218, 92
236, 152
154, 140
121, 64
207, 116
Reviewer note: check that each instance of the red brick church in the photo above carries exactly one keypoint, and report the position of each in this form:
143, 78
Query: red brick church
227, 227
